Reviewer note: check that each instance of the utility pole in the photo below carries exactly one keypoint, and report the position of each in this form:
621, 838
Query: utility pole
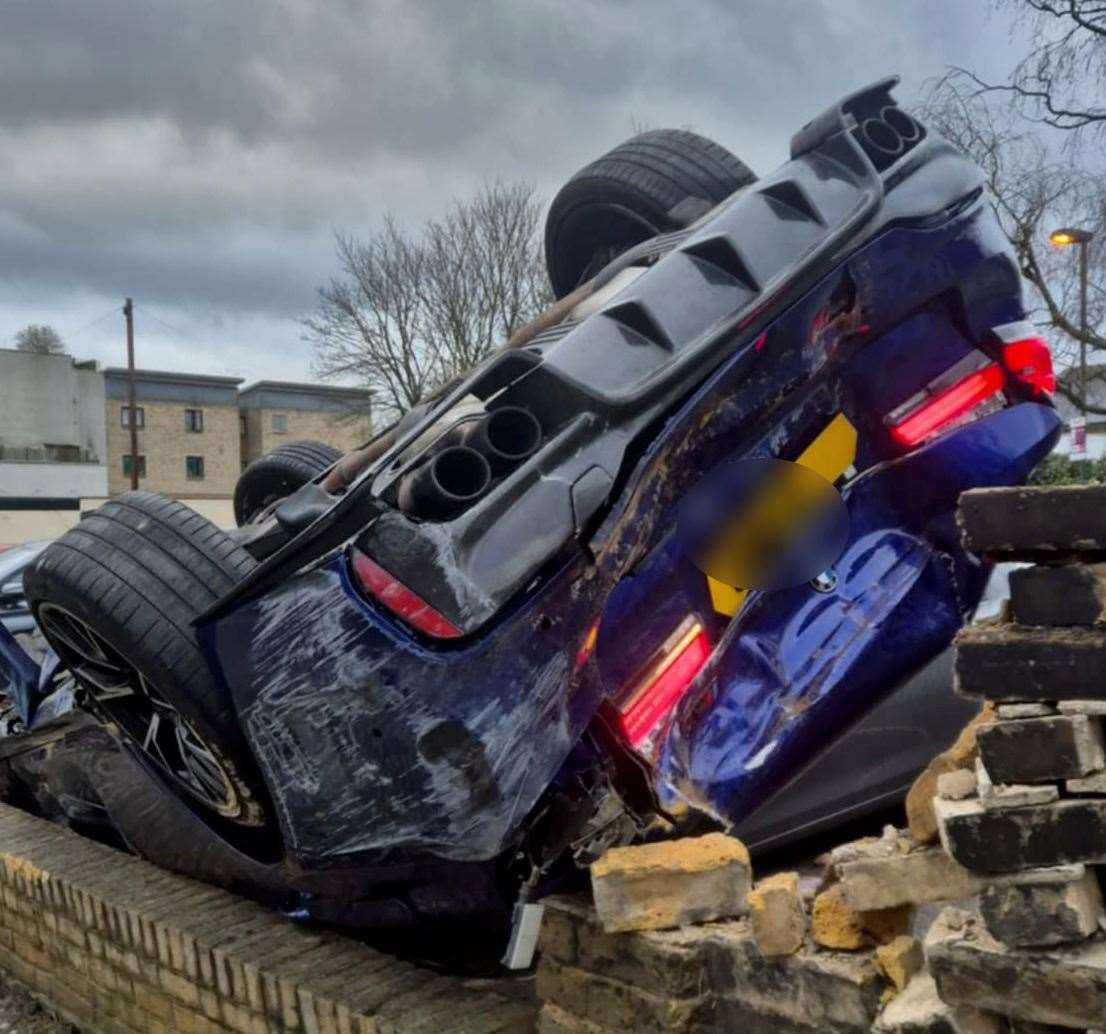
132, 412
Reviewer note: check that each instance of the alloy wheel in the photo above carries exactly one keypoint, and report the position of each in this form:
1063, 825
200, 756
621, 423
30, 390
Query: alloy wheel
118, 692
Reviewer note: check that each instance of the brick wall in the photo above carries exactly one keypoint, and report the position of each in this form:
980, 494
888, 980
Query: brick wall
118, 946
165, 443
337, 429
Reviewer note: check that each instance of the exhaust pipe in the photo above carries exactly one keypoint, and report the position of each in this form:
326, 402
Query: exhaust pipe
444, 485
882, 136
505, 437
901, 123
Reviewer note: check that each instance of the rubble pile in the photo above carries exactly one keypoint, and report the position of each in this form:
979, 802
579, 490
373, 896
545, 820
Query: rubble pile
767, 961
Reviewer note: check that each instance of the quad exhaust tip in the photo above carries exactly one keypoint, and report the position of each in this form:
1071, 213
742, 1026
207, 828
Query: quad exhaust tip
445, 484
506, 437
892, 132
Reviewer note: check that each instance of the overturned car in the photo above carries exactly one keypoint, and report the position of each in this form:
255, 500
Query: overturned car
456, 664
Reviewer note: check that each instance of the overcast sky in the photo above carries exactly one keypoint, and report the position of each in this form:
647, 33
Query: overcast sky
198, 154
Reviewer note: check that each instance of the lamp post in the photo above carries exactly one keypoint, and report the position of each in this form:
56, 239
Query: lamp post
1062, 238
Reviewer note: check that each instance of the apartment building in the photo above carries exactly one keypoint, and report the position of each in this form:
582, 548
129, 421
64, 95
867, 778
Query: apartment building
187, 424
65, 429
273, 412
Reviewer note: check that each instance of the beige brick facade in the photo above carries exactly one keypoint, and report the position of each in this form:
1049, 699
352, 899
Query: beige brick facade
166, 444
188, 436
259, 434
196, 433
275, 412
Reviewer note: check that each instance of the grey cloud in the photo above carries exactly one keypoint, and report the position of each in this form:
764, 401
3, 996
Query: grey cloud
198, 155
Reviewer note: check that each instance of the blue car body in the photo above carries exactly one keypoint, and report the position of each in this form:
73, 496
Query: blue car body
861, 282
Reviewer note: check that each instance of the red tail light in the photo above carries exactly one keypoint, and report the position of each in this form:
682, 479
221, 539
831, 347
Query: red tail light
1030, 361
389, 591
664, 684
949, 405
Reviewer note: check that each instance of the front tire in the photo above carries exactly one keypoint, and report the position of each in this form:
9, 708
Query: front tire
116, 597
278, 474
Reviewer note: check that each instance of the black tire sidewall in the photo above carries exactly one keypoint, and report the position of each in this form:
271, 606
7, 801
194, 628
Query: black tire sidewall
597, 215
162, 646
278, 474
646, 177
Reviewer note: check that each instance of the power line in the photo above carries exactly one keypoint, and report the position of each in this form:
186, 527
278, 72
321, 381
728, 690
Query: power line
113, 311
167, 326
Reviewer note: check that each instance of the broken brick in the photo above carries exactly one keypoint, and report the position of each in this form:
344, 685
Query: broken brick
919, 877
1064, 986
1036, 750
777, 916
614, 1004
554, 1020
958, 785
1027, 523
833, 924
1050, 910
1007, 662
671, 883
919, 799
1066, 594
826, 990
919, 1010
900, 959
1034, 709
666, 961
1010, 839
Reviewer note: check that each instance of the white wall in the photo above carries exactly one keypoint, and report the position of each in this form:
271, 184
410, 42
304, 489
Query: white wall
18, 526
46, 399
53, 480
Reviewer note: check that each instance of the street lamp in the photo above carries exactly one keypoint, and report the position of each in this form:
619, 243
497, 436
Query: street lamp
1063, 237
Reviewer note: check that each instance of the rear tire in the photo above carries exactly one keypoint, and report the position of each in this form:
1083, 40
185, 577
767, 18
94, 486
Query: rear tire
116, 597
626, 197
278, 474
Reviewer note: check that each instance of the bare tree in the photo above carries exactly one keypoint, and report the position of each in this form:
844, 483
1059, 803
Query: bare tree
40, 338
1034, 192
1060, 80
368, 325
410, 312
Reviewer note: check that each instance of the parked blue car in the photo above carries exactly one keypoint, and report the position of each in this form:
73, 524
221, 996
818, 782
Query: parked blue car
461, 662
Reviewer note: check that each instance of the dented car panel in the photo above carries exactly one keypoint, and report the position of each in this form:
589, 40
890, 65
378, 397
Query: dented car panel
797, 667
371, 740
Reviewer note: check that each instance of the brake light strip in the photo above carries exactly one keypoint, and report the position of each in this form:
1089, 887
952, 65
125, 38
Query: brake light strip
401, 601
663, 687
949, 405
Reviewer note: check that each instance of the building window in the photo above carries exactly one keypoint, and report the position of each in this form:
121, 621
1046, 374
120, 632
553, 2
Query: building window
194, 420
63, 453
280, 423
127, 465
125, 413
194, 468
